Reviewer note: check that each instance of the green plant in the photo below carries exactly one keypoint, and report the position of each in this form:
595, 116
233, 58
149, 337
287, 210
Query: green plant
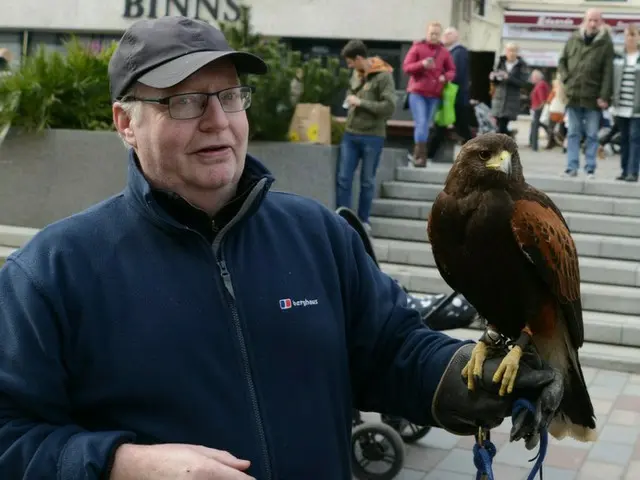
271, 109
59, 90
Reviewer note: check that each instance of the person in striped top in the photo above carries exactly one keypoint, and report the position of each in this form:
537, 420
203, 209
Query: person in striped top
626, 102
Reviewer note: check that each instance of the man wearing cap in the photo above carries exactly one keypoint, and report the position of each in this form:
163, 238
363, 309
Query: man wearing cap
201, 326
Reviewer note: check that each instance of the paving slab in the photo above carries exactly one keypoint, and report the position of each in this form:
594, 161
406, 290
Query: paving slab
614, 455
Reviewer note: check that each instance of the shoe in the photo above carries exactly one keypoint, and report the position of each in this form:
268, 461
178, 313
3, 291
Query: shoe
621, 177
570, 173
590, 175
631, 178
420, 155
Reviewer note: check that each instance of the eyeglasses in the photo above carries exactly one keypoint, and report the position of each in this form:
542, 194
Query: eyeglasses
186, 106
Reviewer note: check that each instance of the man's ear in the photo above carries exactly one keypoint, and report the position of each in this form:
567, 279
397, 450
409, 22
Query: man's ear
123, 121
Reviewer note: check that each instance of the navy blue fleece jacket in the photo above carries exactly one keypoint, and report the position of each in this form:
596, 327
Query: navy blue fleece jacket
120, 324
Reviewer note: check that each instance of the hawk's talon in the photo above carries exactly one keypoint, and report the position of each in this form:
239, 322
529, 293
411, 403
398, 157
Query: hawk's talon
508, 370
473, 368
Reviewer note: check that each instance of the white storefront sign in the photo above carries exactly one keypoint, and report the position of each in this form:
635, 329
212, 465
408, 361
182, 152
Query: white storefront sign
380, 20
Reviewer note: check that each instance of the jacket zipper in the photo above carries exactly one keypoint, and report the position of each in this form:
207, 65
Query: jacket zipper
231, 301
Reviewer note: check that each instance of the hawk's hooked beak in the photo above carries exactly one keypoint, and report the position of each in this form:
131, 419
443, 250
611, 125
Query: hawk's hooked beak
501, 162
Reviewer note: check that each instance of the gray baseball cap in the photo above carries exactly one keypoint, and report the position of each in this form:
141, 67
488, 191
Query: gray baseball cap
164, 51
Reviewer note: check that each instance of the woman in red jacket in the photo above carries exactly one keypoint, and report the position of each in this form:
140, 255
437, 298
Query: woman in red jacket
429, 66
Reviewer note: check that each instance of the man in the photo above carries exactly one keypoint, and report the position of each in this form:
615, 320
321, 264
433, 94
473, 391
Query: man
586, 69
538, 97
460, 55
190, 326
371, 101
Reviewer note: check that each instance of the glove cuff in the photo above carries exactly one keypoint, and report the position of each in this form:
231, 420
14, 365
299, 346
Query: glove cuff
444, 408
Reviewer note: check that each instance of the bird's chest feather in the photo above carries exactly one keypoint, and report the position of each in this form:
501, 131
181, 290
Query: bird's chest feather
478, 256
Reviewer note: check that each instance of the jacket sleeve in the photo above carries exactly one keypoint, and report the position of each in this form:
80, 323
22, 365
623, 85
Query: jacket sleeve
386, 104
518, 76
606, 89
449, 67
38, 438
412, 63
396, 361
563, 68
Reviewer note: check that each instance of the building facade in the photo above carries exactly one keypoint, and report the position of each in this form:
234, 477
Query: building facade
314, 27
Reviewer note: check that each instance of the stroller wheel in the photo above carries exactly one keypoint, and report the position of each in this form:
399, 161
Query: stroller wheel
377, 452
409, 432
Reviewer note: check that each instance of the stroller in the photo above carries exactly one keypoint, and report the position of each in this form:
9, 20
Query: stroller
486, 121
377, 451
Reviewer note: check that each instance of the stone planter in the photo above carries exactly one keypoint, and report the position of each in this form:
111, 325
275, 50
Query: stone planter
48, 176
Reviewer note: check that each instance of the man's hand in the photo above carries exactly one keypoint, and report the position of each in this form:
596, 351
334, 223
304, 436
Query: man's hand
460, 411
353, 101
173, 461
442, 78
602, 104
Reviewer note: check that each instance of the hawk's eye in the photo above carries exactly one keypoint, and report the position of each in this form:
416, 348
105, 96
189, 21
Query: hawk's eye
484, 155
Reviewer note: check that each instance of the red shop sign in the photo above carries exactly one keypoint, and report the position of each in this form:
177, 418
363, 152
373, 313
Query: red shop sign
563, 21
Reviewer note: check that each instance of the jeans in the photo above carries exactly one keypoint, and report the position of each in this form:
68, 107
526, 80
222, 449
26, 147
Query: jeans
629, 145
423, 110
535, 129
582, 122
354, 148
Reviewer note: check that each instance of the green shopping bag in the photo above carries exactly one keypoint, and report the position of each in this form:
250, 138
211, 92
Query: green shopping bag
446, 114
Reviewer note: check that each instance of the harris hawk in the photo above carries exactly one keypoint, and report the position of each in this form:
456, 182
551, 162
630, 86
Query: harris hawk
506, 247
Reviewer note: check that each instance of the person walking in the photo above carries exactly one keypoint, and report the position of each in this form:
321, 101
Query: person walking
429, 66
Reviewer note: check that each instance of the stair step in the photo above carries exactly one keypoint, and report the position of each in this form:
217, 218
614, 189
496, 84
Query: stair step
595, 355
547, 183
588, 245
578, 222
566, 202
596, 297
592, 269
11, 236
599, 327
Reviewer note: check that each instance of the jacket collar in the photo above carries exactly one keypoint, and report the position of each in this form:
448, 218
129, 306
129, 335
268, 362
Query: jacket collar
181, 214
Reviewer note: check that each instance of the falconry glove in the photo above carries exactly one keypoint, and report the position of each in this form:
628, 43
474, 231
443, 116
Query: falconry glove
462, 412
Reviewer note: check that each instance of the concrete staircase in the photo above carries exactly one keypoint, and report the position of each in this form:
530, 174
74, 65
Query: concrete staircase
604, 217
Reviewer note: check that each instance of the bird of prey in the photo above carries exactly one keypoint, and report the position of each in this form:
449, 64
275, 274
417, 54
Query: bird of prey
506, 247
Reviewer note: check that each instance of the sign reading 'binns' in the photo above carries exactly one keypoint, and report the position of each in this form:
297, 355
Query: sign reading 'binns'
216, 10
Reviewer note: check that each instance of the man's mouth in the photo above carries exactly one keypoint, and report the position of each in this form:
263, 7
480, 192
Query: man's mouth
213, 149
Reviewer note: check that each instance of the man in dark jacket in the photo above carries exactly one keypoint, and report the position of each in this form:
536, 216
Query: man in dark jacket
460, 55
190, 325
586, 69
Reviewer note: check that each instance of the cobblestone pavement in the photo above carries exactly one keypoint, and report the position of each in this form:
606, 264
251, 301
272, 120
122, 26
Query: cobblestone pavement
615, 455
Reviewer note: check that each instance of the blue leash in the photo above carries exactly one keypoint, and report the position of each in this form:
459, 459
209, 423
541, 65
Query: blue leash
484, 450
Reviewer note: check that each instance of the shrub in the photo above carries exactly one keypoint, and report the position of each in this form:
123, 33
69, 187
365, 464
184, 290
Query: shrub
71, 89
272, 109
55, 90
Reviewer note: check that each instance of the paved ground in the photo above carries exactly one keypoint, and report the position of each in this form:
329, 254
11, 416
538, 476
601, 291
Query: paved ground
615, 455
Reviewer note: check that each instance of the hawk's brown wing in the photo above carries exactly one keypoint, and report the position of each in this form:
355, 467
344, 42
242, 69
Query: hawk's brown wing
544, 238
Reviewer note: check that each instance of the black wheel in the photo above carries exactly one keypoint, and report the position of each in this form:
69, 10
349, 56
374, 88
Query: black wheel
377, 452
409, 432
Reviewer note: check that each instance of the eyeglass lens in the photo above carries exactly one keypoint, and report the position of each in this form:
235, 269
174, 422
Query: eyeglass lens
192, 105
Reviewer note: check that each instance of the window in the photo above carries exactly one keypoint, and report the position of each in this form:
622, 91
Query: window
12, 41
480, 7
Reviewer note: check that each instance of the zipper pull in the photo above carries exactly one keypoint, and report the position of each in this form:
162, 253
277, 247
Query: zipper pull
226, 278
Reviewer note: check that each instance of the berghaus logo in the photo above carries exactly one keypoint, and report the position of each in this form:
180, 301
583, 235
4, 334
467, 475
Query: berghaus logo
287, 303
